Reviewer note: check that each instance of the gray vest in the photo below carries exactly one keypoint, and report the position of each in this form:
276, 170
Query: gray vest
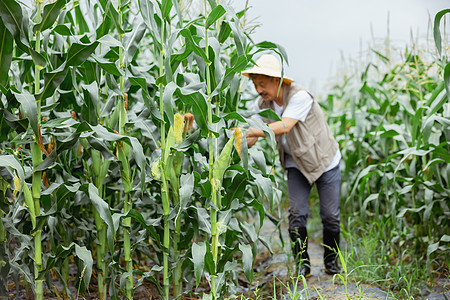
311, 143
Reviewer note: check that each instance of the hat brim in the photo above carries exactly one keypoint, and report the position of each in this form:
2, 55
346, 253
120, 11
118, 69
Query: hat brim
267, 72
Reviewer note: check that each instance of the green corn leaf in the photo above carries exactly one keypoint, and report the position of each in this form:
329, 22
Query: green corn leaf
215, 15
266, 244
104, 27
15, 123
237, 187
90, 103
170, 143
147, 11
14, 19
239, 38
78, 53
80, 20
225, 32
11, 162
437, 31
432, 248
198, 258
213, 3
109, 41
38, 59
238, 66
29, 105
187, 143
109, 66
131, 41
177, 7
64, 30
139, 156
258, 124
85, 256
234, 116
247, 261
52, 80
269, 114
149, 224
222, 161
103, 209
265, 186
273, 46
249, 229
447, 80
203, 219
199, 108
30, 204
6, 48
49, 15
186, 189
168, 101
259, 160
11, 16
48, 163
186, 33
166, 6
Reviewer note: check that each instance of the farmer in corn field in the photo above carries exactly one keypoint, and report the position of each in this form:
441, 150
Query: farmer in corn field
307, 151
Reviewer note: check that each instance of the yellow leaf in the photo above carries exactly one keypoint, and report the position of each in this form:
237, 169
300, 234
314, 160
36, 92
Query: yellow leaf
238, 140
179, 127
16, 186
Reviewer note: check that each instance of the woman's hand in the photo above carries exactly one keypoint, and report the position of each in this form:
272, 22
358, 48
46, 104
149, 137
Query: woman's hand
189, 121
251, 140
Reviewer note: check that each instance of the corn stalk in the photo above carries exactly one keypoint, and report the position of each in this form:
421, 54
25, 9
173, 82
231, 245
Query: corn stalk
37, 176
123, 151
211, 138
175, 163
4, 265
99, 170
165, 148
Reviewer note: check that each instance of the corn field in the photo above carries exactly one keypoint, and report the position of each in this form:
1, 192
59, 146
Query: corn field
124, 161
392, 121
122, 151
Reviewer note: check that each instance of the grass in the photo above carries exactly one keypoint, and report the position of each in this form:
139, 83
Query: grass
392, 266
367, 258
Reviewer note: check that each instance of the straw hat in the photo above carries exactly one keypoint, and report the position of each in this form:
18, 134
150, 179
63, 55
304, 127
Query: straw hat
267, 65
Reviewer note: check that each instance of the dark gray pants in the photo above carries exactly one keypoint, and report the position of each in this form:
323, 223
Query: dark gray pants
328, 185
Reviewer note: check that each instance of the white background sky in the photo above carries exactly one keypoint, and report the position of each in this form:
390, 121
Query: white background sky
315, 33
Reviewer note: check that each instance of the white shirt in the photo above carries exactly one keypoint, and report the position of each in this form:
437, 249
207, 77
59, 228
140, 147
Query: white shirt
298, 108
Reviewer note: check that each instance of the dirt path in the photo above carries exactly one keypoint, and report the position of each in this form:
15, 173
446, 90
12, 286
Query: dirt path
318, 286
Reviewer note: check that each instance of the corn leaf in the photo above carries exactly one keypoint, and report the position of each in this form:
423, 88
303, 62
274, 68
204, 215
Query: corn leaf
6, 47
198, 258
50, 14
437, 31
214, 15
247, 260
28, 103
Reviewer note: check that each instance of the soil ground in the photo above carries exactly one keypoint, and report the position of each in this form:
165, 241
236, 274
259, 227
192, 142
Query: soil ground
273, 275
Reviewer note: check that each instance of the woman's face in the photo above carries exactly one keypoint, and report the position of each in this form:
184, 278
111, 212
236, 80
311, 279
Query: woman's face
266, 87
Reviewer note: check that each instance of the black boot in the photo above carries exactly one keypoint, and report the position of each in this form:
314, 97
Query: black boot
299, 238
331, 242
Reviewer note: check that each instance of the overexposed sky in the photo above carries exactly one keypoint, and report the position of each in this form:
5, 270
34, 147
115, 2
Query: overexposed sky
315, 34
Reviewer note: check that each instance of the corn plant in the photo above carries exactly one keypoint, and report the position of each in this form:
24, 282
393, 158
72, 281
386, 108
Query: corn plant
393, 130
91, 94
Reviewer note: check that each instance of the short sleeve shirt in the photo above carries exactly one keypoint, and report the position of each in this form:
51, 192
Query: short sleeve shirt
298, 108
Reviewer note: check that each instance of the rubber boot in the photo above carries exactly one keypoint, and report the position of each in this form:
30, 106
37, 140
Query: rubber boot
330, 255
299, 237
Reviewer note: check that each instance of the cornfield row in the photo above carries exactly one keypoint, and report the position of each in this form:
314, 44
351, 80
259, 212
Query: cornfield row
101, 165
393, 124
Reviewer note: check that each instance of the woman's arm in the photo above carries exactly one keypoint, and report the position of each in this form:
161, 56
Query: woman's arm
279, 127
